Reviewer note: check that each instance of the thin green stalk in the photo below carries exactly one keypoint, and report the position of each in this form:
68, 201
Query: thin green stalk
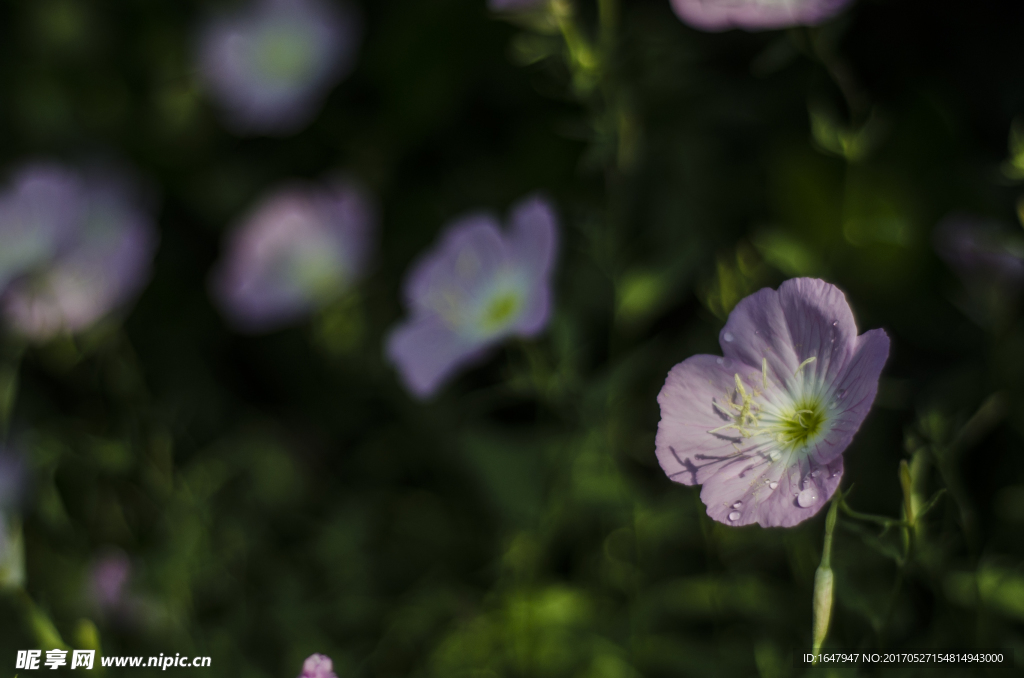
909, 518
823, 581
583, 61
884, 521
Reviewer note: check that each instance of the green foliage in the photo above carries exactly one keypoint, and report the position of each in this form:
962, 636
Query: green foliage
281, 495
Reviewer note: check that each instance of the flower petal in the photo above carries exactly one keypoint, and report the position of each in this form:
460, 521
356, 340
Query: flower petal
455, 270
780, 494
687, 452
806, 318
427, 352
853, 392
754, 15
533, 245
533, 236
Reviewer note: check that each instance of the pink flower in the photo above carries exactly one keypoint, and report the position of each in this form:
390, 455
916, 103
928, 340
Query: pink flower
300, 248
318, 666
99, 258
476, 287
755, 15
270, 64
763, 428
107, 580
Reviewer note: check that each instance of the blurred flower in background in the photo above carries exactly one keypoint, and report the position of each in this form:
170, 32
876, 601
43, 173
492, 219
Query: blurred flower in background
763, 428
107, 580
36, 213
108, 590
988, 257
720, 15
318, 666
475, 288
100, 258
299, 249
270, 64
974, 247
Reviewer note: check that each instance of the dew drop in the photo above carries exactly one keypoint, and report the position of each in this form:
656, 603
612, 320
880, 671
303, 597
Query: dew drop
841, 393
737, 505
807, 497
728, 336
834, 323
773, 455
815, 473
772, 485
734, 516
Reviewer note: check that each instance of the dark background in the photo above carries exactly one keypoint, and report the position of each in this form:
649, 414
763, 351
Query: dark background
281, 495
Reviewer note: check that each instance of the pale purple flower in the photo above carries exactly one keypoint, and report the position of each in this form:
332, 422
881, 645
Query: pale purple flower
107, 580
755, 15
36, 213
299, 249
763, 427
978, 249
270, 64
318, 666
102, 258
476, 287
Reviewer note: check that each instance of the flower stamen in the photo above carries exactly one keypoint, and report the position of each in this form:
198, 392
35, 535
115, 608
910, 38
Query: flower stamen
791, 428
804, 364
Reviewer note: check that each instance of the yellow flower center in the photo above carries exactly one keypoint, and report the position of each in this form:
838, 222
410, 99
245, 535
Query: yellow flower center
499, 311
806, 420
285, 54
793, 427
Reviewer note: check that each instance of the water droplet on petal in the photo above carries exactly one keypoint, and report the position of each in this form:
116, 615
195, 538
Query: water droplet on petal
772, 485
834, 323
841, 393
728, 336
738, 504
735, 515
773, 455
815, 473
808, 497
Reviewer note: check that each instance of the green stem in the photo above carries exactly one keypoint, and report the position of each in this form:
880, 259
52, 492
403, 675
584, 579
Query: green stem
823, 581
907, 485
867, 517
583, 61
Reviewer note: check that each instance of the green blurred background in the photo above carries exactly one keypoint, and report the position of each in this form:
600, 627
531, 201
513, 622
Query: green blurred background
282, 495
